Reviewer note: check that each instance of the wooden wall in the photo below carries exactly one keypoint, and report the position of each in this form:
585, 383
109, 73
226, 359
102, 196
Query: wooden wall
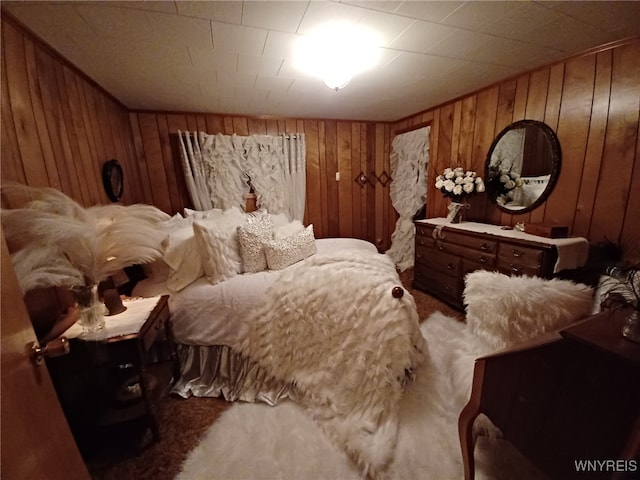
59, 127
336, 208
592, 102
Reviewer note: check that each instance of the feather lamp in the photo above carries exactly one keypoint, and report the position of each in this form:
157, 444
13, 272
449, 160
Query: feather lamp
61, 243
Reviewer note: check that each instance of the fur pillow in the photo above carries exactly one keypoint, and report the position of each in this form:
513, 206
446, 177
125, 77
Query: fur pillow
251, 238
282, 253
506, 310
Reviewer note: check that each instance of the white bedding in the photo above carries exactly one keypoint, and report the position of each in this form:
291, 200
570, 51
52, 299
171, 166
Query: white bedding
205, 314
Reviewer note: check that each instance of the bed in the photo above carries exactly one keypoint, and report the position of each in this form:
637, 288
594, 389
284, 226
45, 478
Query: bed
264, 311
212, 317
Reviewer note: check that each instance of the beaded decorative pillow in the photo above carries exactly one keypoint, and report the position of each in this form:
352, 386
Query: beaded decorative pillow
282, 253
251, 238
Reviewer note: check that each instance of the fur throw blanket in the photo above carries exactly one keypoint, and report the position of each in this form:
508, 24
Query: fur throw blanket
337, 333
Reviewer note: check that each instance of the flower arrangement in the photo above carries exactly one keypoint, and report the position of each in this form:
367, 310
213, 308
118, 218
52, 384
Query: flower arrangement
457, 184
502, 182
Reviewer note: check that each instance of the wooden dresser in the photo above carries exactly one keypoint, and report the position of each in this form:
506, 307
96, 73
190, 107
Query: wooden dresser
446, 252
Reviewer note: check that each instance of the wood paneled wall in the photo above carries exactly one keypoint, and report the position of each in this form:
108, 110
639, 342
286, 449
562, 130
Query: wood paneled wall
59, 127
334, 207
592, 102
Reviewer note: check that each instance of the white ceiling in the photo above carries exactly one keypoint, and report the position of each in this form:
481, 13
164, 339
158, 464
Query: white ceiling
235, 57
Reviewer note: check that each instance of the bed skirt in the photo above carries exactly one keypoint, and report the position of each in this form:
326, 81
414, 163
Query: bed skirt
218, 371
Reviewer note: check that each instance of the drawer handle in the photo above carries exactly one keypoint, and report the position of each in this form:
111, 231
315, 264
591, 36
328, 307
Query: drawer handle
421, 242
447, 288
484, 247
517, 253
516, 268
442, 248
483, 259
418, 255
422, 232
451, 266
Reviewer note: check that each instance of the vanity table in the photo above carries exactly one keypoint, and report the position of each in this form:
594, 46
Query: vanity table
446, 252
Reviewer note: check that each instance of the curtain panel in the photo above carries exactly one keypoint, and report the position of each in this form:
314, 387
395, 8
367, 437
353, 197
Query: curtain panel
408, 191
220, 170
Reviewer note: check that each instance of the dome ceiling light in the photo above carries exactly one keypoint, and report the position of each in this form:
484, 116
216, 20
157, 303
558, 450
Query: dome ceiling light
335, 52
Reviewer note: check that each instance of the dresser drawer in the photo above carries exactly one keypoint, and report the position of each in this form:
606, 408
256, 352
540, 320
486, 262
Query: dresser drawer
424, 231
514, 267
488, 258
469, 266
152, 330
482, 244
440, 283
522, 255
434, 259
425, 241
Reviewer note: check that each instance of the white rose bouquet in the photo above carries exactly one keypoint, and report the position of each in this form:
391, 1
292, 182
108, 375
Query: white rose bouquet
457, 184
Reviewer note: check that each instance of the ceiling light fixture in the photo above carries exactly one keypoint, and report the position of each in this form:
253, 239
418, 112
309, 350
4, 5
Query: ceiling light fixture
336, 52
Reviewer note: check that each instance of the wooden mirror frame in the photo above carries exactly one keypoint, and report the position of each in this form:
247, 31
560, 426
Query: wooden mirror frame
556, 161
112, 180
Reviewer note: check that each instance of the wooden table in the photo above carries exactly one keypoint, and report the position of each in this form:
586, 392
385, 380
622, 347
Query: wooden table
104, 381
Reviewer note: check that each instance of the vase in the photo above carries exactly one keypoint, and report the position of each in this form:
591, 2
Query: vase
456, 212
91, 311
631, 327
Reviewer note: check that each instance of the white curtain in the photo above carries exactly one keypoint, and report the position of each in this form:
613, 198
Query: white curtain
295, 174
408, 190
264, 164
217, 168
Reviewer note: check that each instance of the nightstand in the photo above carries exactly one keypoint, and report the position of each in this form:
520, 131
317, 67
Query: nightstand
118, 373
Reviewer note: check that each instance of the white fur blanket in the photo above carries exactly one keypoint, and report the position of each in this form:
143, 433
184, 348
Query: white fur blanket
254, 441
332, 329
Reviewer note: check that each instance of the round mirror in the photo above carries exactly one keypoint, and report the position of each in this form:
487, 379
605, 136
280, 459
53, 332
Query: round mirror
522, 166
112, 180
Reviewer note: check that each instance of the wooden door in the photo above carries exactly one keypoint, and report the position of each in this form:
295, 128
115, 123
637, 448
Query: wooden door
36, 439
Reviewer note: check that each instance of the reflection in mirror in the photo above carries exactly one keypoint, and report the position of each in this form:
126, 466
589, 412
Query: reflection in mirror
522, 166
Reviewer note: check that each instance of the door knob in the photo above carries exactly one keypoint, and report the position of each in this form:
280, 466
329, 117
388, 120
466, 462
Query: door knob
55, 348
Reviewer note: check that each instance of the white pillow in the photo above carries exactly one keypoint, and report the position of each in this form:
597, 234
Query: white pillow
251, 238
282, 253
506, 310
287, 230
182, 256
218, 247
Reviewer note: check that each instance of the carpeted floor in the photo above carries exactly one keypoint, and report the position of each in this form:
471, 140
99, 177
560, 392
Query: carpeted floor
127, 453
